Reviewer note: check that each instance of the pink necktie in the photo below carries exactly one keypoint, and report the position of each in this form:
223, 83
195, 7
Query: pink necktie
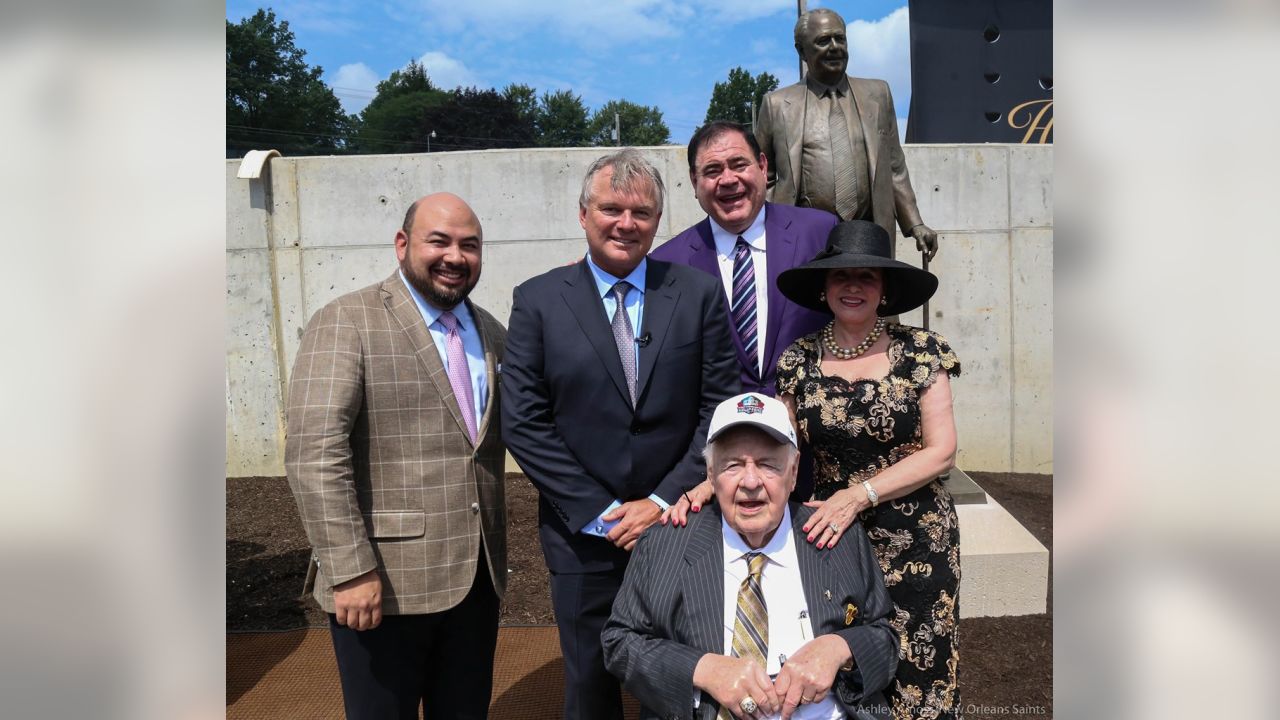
459, 374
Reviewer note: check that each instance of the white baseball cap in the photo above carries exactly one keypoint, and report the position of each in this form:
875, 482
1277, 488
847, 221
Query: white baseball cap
754, 409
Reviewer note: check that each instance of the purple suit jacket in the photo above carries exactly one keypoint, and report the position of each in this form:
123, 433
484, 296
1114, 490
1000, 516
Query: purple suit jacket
793, 235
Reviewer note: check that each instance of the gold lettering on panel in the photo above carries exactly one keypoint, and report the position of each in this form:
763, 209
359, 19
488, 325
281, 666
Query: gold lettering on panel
1034, 112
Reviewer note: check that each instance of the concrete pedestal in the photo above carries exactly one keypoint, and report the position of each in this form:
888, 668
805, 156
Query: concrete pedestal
1004, 569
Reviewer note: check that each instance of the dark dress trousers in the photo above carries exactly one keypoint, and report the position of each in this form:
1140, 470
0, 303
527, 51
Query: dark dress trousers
567, 419
670, 612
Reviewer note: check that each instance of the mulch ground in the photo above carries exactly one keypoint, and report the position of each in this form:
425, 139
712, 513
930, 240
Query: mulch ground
1006, 665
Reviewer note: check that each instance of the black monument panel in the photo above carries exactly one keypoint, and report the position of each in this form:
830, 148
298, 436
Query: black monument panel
981, 71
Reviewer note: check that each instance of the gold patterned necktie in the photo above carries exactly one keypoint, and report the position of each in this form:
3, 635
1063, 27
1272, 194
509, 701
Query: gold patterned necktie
751, 621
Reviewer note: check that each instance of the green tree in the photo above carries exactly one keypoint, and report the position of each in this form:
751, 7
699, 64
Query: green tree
641, 124
473, 119
525, 99
392, 121
732, 99
562, 120
274, 98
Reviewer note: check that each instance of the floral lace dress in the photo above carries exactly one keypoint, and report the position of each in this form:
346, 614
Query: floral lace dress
855, 429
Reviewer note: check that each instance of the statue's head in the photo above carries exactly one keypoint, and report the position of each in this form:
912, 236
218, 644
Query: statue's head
822, 44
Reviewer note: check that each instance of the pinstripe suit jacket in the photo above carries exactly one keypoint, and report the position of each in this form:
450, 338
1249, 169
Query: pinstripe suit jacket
670, 612
379, 460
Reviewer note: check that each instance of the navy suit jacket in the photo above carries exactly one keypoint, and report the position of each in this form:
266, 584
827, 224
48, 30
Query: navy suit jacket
670, 612
567, 417
793, 235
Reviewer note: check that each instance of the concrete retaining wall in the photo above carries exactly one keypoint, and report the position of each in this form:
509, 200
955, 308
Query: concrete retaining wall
315, 228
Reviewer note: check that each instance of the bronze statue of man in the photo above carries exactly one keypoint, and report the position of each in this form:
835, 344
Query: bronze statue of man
832, 140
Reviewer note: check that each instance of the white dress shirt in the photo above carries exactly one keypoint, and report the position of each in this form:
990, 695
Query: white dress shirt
790, 626
726, 242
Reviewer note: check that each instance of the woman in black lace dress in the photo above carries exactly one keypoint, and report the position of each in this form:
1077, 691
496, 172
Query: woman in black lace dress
872, 402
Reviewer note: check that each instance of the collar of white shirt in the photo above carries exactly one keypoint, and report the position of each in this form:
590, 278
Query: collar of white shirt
726, 241
779, 549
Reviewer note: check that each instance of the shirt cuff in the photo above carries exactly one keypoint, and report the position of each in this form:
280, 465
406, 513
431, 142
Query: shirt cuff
662, 504
598, 526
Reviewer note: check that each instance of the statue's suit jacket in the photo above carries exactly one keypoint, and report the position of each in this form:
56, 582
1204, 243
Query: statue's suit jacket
380, 462
670, 612
779, 129
567, 415
792, 237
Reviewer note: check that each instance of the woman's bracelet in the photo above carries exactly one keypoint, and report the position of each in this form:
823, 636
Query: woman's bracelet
872, 495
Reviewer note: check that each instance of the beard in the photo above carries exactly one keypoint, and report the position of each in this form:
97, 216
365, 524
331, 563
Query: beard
442, 297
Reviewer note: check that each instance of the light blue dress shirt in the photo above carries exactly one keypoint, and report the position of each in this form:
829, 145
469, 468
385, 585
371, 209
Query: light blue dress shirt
635, 296
634, 307
471, 344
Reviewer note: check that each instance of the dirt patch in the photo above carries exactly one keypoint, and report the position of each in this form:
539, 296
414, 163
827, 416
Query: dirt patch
1006, 663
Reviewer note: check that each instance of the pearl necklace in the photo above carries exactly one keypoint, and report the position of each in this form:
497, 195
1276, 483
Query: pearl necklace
829, 341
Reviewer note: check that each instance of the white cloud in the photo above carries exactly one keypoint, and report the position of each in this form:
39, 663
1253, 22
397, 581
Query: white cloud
882, 49
355, 85
446, 72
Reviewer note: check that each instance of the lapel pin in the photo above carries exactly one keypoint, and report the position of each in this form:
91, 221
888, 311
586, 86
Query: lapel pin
850, 612
827, 593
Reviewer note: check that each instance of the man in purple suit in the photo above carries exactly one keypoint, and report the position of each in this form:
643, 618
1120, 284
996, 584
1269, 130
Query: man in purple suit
747, 243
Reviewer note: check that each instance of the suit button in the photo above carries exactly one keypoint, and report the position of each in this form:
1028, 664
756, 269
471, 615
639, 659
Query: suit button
635, 431
475, 507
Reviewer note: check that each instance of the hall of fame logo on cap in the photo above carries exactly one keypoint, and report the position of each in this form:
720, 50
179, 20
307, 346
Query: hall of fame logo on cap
750, 405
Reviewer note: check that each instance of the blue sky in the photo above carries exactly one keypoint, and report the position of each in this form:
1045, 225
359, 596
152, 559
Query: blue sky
652, 52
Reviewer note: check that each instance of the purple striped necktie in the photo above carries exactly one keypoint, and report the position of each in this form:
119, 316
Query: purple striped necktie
459, 373
743, 302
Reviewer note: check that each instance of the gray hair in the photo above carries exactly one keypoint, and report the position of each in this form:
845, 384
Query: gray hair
802, 25
630, 170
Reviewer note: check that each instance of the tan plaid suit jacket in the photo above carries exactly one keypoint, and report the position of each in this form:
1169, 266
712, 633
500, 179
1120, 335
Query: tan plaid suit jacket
379, 460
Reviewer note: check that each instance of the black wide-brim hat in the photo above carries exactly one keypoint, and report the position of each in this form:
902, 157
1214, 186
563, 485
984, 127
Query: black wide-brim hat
859, 244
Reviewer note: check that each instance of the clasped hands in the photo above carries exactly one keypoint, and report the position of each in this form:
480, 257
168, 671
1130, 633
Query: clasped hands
806, 677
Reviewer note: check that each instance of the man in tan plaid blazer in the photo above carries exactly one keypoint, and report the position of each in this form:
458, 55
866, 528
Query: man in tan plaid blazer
400, 488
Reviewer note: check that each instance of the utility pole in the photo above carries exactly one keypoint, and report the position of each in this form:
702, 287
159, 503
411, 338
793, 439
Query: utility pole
801, 9
751, 114
617, 129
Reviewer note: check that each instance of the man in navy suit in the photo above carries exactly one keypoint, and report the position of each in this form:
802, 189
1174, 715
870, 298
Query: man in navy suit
612, 370
728, 173
737, 610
